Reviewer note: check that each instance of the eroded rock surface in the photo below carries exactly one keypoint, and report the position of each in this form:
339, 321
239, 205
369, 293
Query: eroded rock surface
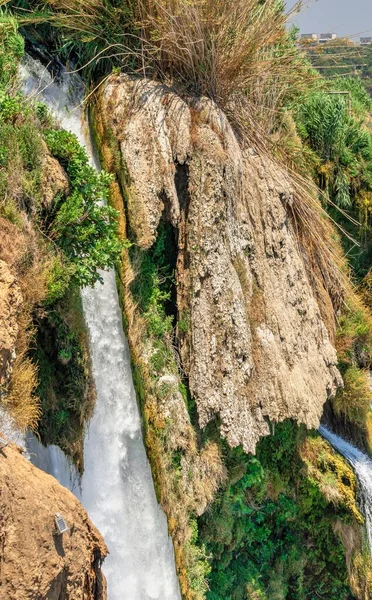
34, 561
256, 346
10, 303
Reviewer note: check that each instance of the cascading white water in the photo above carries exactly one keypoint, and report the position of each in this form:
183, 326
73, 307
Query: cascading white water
117, 487
362, 466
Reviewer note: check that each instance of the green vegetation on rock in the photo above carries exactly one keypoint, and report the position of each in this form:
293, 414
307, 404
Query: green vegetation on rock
270, 532
82, 225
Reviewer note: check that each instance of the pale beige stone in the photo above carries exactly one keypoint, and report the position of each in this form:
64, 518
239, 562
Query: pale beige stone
256, 348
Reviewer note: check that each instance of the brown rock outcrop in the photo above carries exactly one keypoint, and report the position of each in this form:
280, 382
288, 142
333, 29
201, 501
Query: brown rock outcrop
10, 304
256, 346
53, 179
35, 562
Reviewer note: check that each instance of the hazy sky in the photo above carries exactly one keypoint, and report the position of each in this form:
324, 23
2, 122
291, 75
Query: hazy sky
344, 17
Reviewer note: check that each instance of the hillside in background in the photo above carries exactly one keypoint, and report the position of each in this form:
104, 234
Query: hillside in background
342, 57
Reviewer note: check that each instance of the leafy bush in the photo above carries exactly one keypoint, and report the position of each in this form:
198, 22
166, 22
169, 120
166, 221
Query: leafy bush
282, 547
343, 146
84, 227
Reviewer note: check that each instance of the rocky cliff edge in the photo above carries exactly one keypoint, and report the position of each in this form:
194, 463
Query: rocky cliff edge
36, 562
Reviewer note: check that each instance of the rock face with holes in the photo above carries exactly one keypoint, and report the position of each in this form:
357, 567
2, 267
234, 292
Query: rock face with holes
256, 347
35, 562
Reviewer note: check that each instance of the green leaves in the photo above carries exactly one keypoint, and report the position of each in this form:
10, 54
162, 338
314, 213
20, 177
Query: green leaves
339, 139
84, 226
266, 544
11, 50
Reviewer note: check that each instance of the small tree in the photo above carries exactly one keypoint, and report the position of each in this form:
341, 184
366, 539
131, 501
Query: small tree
84, 227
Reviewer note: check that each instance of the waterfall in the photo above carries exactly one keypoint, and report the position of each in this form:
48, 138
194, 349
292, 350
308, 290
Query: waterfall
362, 466
117, 488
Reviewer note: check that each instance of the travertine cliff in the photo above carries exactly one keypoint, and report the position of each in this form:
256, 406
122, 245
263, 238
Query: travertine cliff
255, 346
35, 562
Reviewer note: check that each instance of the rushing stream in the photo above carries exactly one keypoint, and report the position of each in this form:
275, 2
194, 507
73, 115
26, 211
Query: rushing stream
117, 487
362, 466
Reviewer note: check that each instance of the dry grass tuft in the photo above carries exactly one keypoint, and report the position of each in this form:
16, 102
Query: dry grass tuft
320, 245
29, 262
203, 474
21, 398
236, 52
361, 575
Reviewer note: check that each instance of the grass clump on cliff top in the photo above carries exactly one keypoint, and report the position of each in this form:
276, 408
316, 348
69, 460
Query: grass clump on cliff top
236, 52
239, 53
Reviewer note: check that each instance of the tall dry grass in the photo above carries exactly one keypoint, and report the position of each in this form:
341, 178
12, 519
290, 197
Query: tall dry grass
236, 52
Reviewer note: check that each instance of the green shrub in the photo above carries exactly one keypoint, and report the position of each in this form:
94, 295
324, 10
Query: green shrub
60, 274
343, 145
154, 285
354, 336
84, 227
9, 211
281, 547
353, 403
20, 154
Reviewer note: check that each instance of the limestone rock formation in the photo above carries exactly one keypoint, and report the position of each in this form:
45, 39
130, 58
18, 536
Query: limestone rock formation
256, 346
10, 303
35, 562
